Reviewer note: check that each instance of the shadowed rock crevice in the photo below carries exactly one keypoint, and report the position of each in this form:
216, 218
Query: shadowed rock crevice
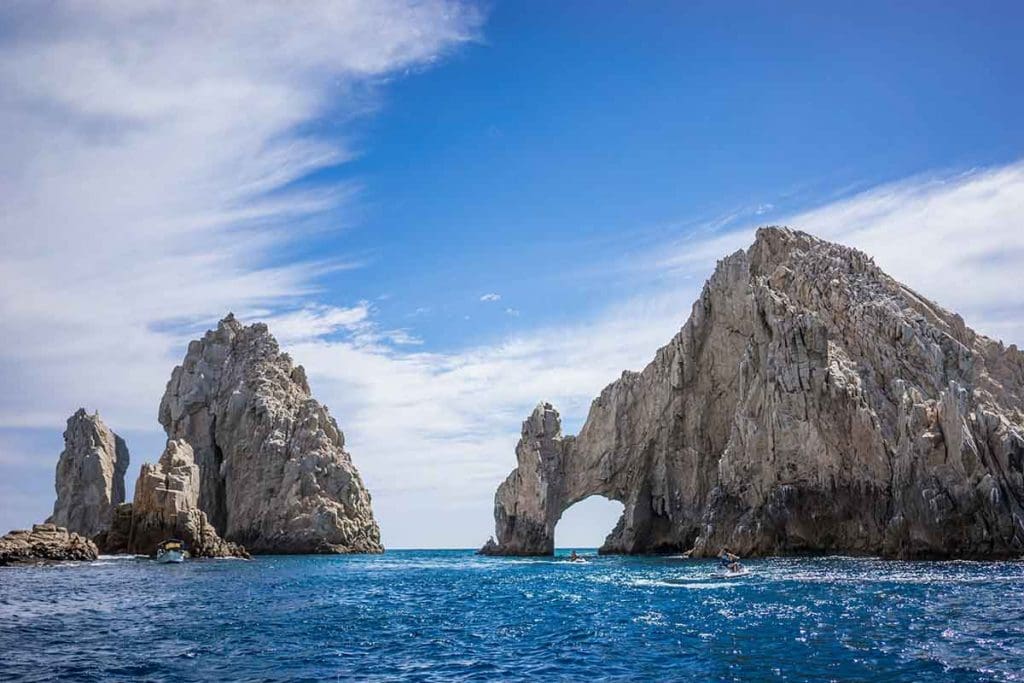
810, 403
166, 506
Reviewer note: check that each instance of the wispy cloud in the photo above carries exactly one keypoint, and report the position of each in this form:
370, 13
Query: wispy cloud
148, 153
956, 238
491, 297
437, 430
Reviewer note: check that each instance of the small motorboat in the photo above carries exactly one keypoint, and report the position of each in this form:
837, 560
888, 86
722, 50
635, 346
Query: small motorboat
171, 550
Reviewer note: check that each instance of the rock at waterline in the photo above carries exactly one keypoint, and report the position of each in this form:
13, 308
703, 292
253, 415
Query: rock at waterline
274, 475
166, 506
45, 543
810, 403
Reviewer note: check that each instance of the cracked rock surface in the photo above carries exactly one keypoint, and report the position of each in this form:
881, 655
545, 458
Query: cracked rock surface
274, 473
90, 475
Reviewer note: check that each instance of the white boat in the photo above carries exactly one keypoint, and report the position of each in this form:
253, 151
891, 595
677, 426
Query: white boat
169, 551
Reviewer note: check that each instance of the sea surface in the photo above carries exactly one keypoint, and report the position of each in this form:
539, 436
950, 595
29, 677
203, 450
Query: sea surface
450, 615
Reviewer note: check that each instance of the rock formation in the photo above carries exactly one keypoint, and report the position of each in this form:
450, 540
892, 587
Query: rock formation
90, 475
45, 543
274, 475
166, 505
115, 540
810, 403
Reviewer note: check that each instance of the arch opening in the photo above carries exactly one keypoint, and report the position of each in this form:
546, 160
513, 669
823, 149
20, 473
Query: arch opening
586, 524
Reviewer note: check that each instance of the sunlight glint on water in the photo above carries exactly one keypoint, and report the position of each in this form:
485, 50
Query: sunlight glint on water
435, 615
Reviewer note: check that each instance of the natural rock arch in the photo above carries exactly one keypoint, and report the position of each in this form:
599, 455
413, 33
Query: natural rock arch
555, 472
651, 441
587, 523
810, 403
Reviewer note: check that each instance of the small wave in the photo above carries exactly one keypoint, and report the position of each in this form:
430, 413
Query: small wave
668, 583
653, 618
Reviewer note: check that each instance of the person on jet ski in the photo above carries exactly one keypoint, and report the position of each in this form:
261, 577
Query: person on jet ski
729, 561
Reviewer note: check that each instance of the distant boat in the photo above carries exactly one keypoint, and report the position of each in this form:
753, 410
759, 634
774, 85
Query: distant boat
171, 550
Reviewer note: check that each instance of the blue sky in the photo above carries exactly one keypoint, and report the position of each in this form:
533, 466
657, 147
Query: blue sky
449, 212
568, 135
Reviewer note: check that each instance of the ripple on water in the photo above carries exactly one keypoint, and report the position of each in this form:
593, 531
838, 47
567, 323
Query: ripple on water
443, 615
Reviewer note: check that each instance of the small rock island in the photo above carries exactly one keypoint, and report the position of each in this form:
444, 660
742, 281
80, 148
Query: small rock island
811, 403
253, 464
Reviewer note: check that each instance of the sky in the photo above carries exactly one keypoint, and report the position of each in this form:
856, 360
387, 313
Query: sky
448, 212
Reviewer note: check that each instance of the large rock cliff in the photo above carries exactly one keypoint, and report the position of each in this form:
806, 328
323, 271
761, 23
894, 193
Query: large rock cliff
274, 474
90, 475
810, 403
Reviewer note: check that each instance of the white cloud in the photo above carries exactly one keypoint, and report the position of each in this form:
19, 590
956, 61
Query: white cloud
491, 297
956, 239
143, 178
441, 427
314, 321
514, 312
401, 337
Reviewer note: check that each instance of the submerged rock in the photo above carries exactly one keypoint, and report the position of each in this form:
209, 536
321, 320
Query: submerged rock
166, 506
90, 475
274, 474
810, 403
45, 543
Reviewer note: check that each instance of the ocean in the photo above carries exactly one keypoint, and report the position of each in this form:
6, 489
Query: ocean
451, 615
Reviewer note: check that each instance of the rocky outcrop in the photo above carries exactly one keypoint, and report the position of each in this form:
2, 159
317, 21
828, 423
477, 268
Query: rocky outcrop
166, 505
90, 475
45, 543
810, 403
274, 474
115, 540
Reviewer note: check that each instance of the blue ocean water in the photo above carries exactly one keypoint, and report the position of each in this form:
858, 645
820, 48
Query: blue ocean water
450, 615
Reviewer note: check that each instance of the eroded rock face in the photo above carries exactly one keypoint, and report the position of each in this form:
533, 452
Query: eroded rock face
90, 475
810, 403
45, 543
115, 540
274, 475
166, 505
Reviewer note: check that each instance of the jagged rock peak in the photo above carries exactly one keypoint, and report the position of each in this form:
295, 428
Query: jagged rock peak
274, 473
529, 503
810, 403
166, 505
90, 475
